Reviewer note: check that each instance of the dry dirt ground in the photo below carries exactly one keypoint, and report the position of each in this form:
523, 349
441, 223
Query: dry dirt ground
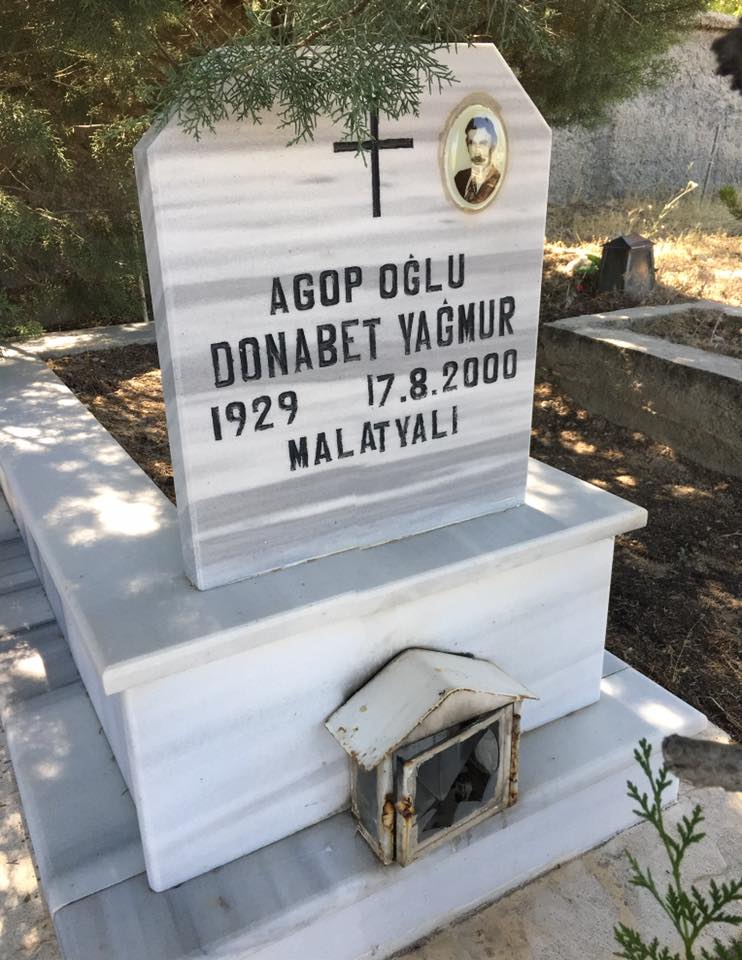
569, 913
676, 605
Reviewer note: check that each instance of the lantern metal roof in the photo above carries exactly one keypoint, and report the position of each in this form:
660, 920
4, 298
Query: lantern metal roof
418, 693
631, 241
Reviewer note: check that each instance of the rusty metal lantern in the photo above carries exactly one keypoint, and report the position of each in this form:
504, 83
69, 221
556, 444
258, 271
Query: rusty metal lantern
627, 265
433, 746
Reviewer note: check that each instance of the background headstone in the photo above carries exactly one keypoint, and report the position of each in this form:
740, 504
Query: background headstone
305, 300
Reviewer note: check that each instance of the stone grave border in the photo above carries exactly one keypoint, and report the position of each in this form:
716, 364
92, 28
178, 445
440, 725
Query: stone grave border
686, 397
68, 342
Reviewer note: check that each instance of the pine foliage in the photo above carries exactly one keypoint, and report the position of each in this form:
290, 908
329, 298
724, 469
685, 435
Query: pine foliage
690, 911
341, 57
82, 79
75, 90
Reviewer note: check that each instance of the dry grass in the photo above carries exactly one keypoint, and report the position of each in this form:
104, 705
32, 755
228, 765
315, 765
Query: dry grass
705, 329
698, 253
659, 219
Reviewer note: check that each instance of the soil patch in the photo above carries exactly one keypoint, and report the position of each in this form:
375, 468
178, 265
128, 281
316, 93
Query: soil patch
676, 610
122, 388
705, 329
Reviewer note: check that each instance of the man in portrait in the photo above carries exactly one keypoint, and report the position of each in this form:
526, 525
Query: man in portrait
476, 183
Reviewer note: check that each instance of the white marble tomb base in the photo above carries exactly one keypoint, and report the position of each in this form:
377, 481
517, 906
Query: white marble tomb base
86, 839
319, 894
199, 693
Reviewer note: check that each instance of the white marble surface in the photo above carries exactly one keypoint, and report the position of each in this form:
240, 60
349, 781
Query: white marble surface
225, 216
109, 540
33, 662
612, 664
34, 657
8, 528
85, 835
16, 572
178, 676
74, 798
322, 893
80, 816
233, 755
24, 610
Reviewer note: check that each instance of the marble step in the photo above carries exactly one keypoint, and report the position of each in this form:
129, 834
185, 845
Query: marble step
33, 662
8, 528
81, 819
17, 573
34, 656
24, 610
12, 549
319, 893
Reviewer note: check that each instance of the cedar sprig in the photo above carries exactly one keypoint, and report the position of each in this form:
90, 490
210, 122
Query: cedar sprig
690, 911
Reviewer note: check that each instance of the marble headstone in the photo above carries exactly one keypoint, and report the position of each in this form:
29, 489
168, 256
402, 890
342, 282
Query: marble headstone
347, 342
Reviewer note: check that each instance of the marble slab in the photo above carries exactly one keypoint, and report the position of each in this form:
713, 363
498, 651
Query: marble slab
8, 528
32, 663
338, 376
14, 549
177, 676
110, 542
612, 664
24, 610
322, 893
79, 813
17, 573
34, 657
253, 725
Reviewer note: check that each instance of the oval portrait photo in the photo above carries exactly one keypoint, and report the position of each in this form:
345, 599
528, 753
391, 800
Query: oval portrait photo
474, 156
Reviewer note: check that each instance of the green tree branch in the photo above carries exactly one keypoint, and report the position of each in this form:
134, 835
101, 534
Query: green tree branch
689, 911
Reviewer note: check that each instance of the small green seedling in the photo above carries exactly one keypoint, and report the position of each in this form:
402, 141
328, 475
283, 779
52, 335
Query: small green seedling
690, 911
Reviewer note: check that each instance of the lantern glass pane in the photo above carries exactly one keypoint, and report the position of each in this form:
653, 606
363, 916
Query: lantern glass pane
432, 740
367, 800
457, 781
